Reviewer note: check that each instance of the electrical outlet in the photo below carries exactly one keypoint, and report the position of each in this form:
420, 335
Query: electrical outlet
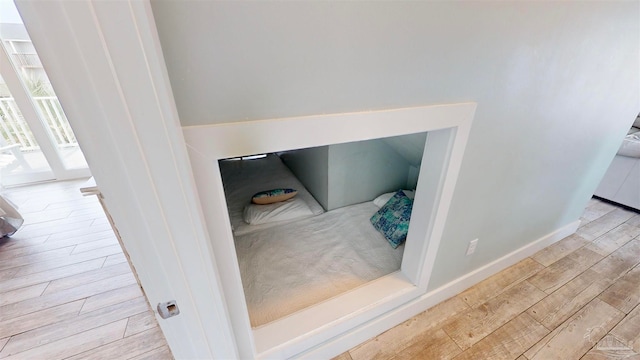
472, 246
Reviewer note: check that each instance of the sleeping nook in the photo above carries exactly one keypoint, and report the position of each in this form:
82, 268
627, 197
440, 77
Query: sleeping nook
323, 223
310, 224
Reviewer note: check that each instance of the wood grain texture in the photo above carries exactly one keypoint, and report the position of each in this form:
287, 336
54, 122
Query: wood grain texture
564, 302
75, 344
344, 356
596, 209
97, 244
126, 347
474, 324
609, 347
65, 286
62, 226
115, 259
64, 296
537, 347
578, 280
115, 296
500, 282
99, 309
58, 273
620, 261
412, 331
438, 345
87, 277
11, 249
18, 324
17, 295
26, 245
614, 239
78, 232
604, 224
563, 270
624, 295
141, 322
17, 242
7, 274
163, 353
509, 341
628, 330
46, 256
562, 248
70, 260
634, 221
580, 332
74, 325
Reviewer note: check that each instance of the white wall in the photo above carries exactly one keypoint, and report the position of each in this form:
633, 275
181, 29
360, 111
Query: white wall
360, 171
311, 167
350, 173
411, 146
556, 85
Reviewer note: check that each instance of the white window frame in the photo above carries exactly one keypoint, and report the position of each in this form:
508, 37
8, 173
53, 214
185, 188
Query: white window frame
36, 123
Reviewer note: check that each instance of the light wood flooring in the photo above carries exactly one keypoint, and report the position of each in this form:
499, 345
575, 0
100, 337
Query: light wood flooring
577, 299
66, 290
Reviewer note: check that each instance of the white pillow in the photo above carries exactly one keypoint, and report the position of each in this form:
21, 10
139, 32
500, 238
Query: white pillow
384, 198
291, 209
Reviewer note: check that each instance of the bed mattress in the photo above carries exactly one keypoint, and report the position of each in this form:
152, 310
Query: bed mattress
289, 267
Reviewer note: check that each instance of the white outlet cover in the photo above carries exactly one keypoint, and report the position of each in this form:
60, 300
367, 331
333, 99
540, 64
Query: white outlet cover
472, 246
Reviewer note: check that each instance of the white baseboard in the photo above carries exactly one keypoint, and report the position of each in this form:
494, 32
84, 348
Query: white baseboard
348, 340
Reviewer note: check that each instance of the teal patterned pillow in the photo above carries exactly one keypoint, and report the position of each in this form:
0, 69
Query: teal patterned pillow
392, 220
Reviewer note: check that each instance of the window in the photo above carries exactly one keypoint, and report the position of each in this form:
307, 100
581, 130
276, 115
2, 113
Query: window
36, 139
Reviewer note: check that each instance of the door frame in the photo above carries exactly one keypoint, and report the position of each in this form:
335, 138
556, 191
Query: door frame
105, 63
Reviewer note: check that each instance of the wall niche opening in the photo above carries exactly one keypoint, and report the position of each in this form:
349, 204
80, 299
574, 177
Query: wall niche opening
308, 331
345, 226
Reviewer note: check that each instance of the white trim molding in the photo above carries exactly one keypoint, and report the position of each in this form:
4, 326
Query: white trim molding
105, 63
447, 128
377, 326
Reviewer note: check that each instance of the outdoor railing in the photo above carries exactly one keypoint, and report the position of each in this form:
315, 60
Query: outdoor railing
14, 129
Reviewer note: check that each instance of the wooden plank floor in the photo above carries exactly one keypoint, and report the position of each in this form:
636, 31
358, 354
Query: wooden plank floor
66, 290
577, 299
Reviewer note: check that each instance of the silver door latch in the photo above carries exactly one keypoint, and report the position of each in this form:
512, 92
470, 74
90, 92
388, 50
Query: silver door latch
168, 309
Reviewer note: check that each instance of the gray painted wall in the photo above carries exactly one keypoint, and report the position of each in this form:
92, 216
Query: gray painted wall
409, 146
351, 173
311, 167
362, 170
555, 82
412, 178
